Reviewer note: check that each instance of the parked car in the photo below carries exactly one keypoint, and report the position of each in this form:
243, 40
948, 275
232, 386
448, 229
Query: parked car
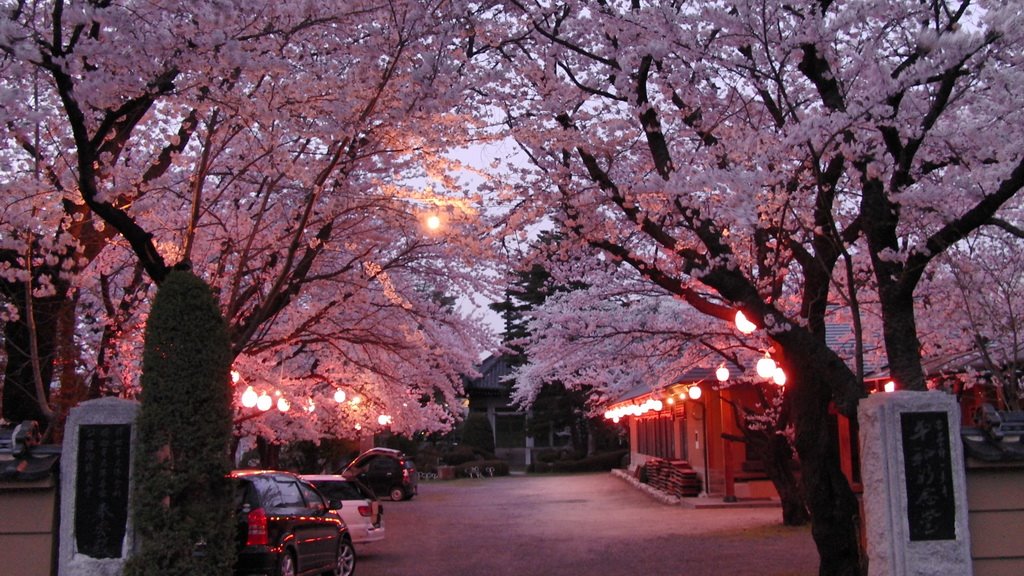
287, 528
386, 471
360, 508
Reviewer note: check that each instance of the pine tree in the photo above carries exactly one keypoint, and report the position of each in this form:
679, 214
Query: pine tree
555, 407
182, 499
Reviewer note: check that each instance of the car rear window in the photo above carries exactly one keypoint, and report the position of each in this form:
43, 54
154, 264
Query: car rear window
278, 493
291, 495
336, 490
381, 464
313, 499
245, 493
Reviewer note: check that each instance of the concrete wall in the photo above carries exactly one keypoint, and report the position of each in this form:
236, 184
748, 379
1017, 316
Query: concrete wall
995, 503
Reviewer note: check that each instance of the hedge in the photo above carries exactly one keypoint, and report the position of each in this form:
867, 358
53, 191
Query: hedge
602, 462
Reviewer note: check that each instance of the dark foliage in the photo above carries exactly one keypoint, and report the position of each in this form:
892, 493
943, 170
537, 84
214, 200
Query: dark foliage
182, 500
477, 432
600, 462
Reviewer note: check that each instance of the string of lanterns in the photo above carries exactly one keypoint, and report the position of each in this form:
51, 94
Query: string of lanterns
263, 401
766, 368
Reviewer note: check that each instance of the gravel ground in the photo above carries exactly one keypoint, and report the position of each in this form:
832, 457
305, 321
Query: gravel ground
581, 524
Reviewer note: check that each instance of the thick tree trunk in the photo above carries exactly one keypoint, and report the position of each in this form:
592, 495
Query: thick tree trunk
835, 513
902, 347
835, 517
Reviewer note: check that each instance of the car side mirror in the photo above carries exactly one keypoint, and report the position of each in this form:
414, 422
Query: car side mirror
334, 504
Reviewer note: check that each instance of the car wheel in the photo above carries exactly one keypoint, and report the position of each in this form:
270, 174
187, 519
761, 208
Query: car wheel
286, 566
397, 494
345, 565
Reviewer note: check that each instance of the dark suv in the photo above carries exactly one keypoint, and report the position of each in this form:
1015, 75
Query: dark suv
286, 528
388, 472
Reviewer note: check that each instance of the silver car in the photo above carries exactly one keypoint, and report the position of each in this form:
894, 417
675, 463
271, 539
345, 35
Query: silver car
360, 509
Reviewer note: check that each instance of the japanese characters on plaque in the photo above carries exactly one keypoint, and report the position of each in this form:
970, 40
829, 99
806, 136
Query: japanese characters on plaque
931, 506
101, 489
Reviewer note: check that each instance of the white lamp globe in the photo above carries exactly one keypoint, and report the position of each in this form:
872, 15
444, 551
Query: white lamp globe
779, 376
249, 397
766, 367
744, 325
264, 402
722, 374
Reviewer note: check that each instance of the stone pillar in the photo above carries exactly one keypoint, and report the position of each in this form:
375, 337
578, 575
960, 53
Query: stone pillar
95, 527
915, 499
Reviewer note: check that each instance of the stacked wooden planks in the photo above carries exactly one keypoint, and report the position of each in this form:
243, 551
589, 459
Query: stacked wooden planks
675, 477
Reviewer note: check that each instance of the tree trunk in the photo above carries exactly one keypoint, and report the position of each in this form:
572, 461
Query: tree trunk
778, 466
20, 399
902, 347
835, 513
72, 386
270, 454
774, 450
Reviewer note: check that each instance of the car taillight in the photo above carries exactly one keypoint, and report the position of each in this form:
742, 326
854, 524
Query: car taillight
405, 472
364, 511
257, 520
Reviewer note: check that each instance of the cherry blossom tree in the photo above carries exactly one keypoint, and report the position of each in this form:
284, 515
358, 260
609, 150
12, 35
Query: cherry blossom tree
976, 294
773, 158
289, 154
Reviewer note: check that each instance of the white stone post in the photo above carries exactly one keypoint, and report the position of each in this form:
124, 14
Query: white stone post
96, 532
915, 498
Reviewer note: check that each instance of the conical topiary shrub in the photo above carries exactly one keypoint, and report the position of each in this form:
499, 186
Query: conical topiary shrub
182, 502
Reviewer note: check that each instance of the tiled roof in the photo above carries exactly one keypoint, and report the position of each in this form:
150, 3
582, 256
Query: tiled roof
494, 372
690, 376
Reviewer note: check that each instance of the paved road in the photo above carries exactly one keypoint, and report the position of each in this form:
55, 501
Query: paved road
589, 524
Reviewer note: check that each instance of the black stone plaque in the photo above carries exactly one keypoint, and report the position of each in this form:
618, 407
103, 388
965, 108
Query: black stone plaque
927, 462
101, 489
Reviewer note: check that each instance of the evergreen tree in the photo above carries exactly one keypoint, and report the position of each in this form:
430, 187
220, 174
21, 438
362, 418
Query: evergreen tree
478, 433
182, 499
555, 408
528, 291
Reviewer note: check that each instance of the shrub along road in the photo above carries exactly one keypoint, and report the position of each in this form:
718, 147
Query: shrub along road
583, 524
